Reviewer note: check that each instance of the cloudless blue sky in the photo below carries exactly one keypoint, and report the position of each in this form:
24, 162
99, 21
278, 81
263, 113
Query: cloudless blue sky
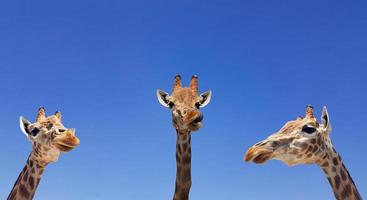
100, 63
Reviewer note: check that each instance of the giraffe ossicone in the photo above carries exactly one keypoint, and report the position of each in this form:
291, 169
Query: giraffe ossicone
185, 104
49, 138
306, 141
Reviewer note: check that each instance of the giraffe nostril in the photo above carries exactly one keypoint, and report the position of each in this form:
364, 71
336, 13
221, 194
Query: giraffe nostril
199, 119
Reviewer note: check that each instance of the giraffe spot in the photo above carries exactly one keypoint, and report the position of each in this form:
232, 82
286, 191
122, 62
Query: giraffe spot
23, 191
184, 137
343, 174
309, 155
31, 182
186, 159
335, 161
325, 164
31, 163
309, 148
313, 141
337, 181
179, 151
346, 191
319, 142
334, 169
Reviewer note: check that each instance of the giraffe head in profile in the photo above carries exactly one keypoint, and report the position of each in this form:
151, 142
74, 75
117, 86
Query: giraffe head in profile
49, 136
185, 104
300, 141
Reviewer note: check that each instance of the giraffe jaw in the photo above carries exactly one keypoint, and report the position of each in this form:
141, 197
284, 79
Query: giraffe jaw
67, 141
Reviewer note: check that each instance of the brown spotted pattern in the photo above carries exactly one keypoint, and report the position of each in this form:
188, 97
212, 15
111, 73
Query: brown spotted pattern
185, 105
49, 137
305, 141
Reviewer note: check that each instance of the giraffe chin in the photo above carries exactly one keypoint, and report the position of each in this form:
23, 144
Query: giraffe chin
67, 144
194, 126
64, 147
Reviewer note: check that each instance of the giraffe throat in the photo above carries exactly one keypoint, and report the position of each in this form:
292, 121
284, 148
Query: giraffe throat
339, 178
183, 159
25, 186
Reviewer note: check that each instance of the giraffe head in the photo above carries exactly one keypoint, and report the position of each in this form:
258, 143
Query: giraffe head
185, 104
48, 135
301, 141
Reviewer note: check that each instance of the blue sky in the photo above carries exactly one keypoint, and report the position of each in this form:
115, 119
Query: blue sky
100, 63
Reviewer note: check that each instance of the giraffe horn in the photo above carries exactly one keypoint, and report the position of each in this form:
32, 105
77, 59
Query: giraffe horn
309, 111
58, 115
41, 115
177, 83
194, 83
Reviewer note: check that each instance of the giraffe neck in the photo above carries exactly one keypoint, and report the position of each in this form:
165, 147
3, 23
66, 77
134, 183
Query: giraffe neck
25, 186
339, 177
183, 159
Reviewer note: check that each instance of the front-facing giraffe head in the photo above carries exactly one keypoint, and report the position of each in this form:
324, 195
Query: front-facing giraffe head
49, 137
185, 104
301, 141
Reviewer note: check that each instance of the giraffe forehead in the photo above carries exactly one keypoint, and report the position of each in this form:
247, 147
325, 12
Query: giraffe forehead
297, 124
184, 96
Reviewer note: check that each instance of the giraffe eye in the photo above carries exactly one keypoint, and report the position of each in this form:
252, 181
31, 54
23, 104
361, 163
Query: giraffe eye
62, 130
308, 129
34, 131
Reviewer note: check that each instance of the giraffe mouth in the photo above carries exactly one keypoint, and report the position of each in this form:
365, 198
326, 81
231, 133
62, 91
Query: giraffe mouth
257, 155
66, 142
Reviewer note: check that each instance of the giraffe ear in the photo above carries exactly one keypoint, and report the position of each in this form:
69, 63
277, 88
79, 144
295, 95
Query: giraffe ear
325, 120
205, 98
163, 98
24, 123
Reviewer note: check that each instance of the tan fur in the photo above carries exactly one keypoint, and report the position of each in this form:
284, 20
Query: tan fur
52, 139
293, 145
186, 116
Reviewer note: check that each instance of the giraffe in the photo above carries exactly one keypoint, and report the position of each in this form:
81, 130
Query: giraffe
305, 141
185, 104
49, 138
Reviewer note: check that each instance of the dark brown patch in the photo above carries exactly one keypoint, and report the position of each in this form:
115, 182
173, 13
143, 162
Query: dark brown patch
333, 168
309, 148
346, 191
325, 164
186, 159
335, 161
337, 181
23, 191
343, 174
31, 182
313, 141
